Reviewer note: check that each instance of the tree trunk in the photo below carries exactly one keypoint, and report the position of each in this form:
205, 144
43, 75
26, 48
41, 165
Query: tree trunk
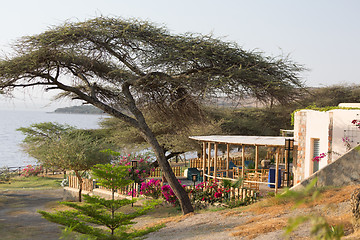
150, 138
140, 124
179, 191
80, 183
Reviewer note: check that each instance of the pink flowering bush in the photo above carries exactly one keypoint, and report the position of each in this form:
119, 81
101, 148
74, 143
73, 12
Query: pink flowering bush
151, 188
142, 170
318, 158
347, 143
209, 193
29, 170
169, 195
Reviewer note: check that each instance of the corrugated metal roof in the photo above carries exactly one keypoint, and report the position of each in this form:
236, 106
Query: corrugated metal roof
244, 140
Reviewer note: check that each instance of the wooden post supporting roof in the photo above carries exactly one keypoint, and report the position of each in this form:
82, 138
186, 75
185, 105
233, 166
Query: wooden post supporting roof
227, 159
215, 159
256, 157
277, 170
209, 157
243, 162
286, 158
204, 159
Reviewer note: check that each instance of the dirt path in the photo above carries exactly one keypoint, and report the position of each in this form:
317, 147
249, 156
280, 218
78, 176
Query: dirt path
19, 218
262, 220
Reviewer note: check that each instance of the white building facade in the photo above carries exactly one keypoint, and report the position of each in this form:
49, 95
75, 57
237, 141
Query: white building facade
328, 134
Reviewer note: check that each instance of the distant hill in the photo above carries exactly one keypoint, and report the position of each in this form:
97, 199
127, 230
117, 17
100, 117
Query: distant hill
83, 109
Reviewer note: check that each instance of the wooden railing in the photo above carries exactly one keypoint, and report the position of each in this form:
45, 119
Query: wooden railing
89, 185
220, 163
158, 172
234, 193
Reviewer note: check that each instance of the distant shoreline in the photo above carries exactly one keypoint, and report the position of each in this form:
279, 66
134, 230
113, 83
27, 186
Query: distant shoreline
83, 109
76, 113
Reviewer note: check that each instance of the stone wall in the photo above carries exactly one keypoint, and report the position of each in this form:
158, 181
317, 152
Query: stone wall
343, 171
300, 137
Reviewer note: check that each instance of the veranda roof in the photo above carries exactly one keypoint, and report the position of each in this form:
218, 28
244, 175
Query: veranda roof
244, 140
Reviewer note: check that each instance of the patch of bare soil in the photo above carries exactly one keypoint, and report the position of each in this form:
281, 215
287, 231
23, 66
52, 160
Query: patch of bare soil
19, 218
265, 219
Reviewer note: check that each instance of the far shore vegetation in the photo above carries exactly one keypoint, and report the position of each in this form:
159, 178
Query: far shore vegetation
83, 109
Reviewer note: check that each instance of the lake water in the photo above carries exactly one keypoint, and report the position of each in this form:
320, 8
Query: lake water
11, 154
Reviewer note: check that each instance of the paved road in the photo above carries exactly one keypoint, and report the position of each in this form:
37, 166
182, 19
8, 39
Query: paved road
19, 218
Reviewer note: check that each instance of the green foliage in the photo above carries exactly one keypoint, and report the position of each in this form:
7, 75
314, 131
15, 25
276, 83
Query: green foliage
234, 203
111, 176
64, 147
172, 134
91, 217
21, 183
320, 229
30, 170
124, 66
83, 109
308, 194
151, 188
5, 175
68, 234
143, 164
205, 194
331, 95
252, 121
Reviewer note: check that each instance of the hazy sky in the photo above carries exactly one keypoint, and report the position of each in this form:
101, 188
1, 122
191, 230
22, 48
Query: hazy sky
323, 35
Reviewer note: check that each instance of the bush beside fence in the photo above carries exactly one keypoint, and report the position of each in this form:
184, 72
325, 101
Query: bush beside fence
89, 185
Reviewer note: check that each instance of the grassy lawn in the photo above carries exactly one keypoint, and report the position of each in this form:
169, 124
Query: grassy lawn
27, 183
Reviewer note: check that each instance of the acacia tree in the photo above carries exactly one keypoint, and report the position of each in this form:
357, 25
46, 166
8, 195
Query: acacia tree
172, 136
64, 147
123, 66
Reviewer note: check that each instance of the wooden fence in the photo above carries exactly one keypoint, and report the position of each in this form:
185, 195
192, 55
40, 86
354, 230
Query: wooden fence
220, 163
89, 185
158, 172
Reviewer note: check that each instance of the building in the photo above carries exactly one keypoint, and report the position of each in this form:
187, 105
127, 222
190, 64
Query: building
326, 135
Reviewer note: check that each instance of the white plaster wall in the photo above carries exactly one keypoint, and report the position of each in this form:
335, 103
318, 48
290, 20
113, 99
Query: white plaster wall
317, 124
342, 121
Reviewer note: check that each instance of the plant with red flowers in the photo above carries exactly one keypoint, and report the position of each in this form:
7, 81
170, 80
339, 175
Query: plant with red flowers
169, 195
30, 170
151, 188
143, 167
208, 193
356, 122
318, 158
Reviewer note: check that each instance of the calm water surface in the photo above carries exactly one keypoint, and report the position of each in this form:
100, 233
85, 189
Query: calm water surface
11, 154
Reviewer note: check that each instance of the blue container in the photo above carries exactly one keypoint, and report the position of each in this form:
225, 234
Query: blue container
272, 176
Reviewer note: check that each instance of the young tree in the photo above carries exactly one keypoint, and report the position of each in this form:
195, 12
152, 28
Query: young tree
123, 66
64, 147
97, 214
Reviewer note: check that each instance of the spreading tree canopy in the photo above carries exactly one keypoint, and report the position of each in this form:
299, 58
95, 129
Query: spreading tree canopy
62, 146
123, 66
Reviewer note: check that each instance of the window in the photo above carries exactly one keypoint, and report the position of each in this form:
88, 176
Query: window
316, 152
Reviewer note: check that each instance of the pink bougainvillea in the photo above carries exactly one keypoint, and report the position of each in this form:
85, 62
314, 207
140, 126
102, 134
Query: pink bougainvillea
169, 194
30, 170
318, 158
152, 188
